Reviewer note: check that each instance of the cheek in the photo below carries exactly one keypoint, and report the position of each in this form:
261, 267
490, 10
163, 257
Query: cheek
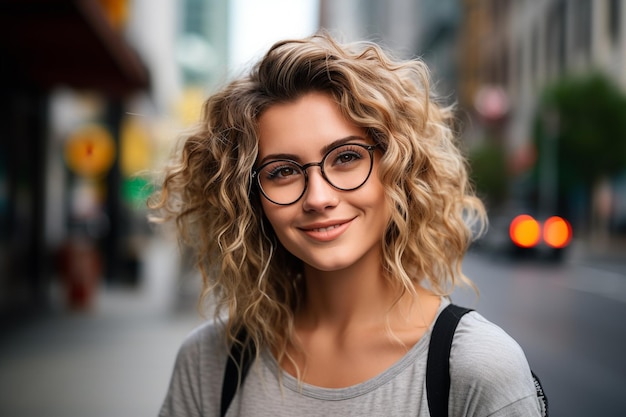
275, 216
380, 203
376, 192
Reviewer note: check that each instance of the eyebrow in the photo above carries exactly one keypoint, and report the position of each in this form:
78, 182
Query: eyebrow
324, 150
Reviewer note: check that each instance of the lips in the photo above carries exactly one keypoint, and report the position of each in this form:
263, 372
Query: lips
325, 232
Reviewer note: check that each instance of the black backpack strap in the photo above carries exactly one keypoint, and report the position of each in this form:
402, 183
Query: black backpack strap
438, 362
240, 358
541, 395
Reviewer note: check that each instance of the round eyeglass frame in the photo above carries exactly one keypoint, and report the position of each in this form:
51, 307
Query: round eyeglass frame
256, 178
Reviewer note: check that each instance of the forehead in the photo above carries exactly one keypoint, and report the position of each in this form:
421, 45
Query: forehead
303, 127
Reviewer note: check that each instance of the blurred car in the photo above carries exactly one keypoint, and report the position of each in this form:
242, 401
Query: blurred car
520, 234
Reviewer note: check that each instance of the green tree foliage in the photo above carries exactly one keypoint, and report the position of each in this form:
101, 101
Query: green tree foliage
488, 172
591, 129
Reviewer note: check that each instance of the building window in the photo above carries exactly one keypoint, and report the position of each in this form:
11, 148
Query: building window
534, 55
519, 66
615, 12
556, 51
582, 22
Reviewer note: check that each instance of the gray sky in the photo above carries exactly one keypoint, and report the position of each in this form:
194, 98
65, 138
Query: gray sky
257, 24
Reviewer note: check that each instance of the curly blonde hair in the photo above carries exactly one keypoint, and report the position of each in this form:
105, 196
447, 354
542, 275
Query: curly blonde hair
209, 192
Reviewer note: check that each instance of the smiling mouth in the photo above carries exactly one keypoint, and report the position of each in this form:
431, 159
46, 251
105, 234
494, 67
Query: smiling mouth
327, 233
325, 229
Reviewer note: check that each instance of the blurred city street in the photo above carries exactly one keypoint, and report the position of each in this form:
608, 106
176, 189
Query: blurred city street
94, 303
113, 360
569, 319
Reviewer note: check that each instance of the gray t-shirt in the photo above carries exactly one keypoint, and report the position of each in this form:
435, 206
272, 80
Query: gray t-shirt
490, 376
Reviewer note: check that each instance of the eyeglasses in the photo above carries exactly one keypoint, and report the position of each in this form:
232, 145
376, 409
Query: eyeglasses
346, 167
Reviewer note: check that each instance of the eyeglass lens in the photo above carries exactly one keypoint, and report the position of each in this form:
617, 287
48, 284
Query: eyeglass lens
345, 167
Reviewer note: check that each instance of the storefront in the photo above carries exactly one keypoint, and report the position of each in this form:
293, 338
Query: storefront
46, 45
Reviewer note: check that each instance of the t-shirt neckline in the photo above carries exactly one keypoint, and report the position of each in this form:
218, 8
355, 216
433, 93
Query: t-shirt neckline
336, 394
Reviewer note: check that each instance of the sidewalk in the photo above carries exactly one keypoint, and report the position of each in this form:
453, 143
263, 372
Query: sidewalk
114, 361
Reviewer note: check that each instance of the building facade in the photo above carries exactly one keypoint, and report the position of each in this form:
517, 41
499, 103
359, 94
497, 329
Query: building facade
523, 45
510, 51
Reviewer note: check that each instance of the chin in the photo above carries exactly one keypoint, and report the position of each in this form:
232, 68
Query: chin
330, 265
328, 268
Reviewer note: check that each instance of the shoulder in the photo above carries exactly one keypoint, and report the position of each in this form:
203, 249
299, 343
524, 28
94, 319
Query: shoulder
197, 374
488, 368
207, 336
204, 350
479, 339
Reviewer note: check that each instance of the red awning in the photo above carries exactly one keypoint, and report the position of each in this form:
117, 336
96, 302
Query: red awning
50, 43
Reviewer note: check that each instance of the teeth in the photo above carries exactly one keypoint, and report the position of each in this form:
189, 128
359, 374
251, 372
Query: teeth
326, 229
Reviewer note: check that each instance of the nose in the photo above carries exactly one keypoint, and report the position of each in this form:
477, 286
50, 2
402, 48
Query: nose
319, 194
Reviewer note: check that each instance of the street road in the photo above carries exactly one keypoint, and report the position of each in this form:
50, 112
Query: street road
569, 318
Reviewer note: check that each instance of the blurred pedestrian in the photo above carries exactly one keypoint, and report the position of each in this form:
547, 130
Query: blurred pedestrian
330, 211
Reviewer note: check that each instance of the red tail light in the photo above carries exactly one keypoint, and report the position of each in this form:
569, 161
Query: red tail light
557, 232
525, 231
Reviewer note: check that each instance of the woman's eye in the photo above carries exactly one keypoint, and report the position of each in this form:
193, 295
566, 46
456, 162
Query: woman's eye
347, 157
281, 172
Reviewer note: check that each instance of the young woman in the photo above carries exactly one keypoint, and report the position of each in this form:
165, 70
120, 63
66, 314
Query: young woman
330, 211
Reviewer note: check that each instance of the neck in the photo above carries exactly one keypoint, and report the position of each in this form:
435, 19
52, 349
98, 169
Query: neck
360, 296
353, 325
